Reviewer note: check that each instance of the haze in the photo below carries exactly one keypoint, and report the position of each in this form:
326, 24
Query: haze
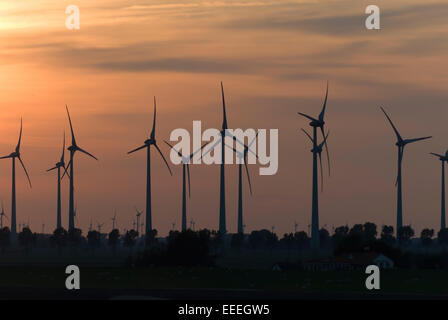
274, 58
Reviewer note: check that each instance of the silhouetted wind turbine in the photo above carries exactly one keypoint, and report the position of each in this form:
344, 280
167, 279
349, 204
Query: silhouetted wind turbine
99, 225
148, 143
2, 214
317, 123
13, 156
185, 170
243, 160
222, 187
59, 165
114, 219
73, 148
442, 159
139, 213
319, 152
401, 143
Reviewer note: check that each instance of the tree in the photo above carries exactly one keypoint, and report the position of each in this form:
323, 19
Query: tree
442, 237
94, 238
151, 237
189, 248
262, 238
369, 231
426, 236
5, 238
113, 239
387, 235
405, 234
26, 238
74, 237
130, 238
237, 240
59, 238
357, 229
339, 234
324, 237
301, 239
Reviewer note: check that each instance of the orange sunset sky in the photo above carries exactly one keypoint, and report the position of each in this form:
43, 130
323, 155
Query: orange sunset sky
274, 58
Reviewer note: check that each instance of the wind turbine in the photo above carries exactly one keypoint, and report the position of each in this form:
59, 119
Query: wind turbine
73, 148
58, 166
319, 150
13, 156
401, 143
139, 213
99, 225
222, 187
442, 159
242, 160
192, 223
185, 169
114, 219
2, 214
148, 143
315, 124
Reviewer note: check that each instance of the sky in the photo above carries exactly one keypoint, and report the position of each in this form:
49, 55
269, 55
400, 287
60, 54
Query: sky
274, 58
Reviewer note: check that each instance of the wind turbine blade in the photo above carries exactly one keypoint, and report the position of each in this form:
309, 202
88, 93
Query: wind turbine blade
326, 149
189, 182
227, 134
307, 116
321, 173
89, 154
224, 119
65, 170
5, 157
20, 137
248, 177
307, 134
416, 139
63, 149
202, 147
212, 147
393, 126
24, 169
52, 169
71, 126
178, 153
166, 162
322, 113
153, 132
139, 148
437, 155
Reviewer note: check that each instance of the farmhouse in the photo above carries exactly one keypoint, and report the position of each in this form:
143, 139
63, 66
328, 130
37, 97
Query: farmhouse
354, 261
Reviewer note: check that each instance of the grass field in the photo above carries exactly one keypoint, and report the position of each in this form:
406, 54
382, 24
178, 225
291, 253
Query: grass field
430, 282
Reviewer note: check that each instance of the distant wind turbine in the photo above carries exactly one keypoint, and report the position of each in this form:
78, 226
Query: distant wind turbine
319, 152
243, 160
2, 214
73, 148
139, 213
99, 225
401, 143
315, 124
443, 159
59, 165
13, 156
185, 169
222, 187
114, 219
148, 143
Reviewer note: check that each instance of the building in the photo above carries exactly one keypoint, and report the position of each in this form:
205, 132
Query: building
354, 261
